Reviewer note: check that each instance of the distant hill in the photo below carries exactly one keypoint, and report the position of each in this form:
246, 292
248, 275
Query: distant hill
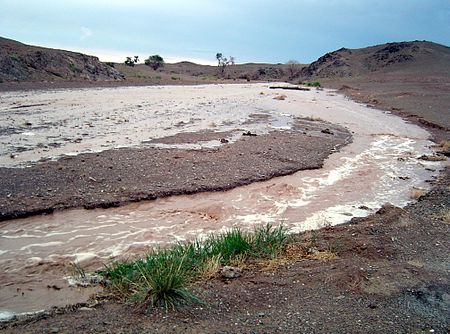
34, 66
412, 57
21, 62
411, 79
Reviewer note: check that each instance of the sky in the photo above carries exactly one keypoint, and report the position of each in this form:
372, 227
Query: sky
273, 31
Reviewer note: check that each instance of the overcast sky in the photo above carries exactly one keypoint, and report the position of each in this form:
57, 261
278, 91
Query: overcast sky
250, 30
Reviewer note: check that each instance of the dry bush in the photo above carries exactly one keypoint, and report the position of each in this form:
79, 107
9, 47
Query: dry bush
280, 97
325, 255
432, 158
444, 145
417, 193
443, 215
313, 119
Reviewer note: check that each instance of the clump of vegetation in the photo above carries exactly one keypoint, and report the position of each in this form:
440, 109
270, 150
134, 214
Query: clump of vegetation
432, 158
223, 62
294, 68
445, 145
443, 215
175, 78
14, 56
162, 277
110, 64
131, 61
74, 68
313, 118
155, 62
313, 84
417, 193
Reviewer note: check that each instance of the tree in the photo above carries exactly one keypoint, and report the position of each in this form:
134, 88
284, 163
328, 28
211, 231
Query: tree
294, 68
223, 62
130, 62
155, 62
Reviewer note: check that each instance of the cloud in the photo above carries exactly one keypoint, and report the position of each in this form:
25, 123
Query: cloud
85, 33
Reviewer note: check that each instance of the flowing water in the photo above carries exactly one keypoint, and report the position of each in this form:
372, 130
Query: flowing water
379, 166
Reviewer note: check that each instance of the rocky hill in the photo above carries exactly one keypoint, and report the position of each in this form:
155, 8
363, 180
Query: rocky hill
411, 79
21, 62
413, 57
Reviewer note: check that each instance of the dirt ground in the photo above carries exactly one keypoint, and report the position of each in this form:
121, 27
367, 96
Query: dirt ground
387, 273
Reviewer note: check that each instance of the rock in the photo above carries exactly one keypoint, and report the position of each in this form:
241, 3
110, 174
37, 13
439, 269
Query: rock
54, 330
230, 272
250, 134
224, 141
327, 131
87, 280
84, 308
363, 207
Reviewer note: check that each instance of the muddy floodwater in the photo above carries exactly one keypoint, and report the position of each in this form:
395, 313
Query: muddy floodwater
381, 165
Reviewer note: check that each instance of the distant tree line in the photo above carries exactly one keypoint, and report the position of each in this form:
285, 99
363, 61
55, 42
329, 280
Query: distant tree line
155, 61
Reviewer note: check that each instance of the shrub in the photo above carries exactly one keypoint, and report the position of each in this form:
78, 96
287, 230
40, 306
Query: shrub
313, 84
74, 68
155, 62
14, 57
130, 61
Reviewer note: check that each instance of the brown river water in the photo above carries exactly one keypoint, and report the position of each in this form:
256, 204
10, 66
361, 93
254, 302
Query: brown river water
36, 253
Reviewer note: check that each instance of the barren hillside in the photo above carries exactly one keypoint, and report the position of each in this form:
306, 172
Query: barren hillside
406, 57
21, 62
411, 79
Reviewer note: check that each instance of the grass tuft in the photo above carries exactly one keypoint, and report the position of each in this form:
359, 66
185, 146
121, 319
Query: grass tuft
162, 277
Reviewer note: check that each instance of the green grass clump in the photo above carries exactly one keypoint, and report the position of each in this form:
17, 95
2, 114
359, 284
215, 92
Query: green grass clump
313, 84
14, 57
74, 68
162, 277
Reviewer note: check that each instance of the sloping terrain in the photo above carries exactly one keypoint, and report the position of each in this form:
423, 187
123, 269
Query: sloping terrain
411, 79
387, 273
187, 72
29, 67
20, 62
406, 57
